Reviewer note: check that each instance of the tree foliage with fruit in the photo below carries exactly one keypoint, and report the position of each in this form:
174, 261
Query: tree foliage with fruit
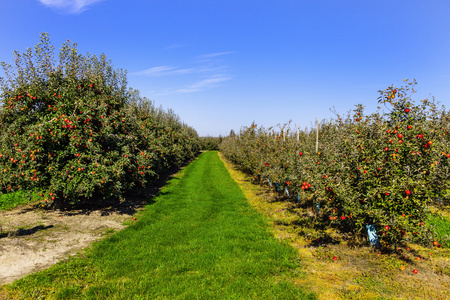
70, 127
385, 168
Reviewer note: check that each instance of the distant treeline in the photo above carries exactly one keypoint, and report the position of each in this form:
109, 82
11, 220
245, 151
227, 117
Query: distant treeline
210, 143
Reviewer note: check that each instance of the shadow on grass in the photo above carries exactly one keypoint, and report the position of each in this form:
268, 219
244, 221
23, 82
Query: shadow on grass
320, 235
314, 231
131, 202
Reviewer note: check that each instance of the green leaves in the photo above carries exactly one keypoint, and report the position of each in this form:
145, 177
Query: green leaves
72, 124
368, 161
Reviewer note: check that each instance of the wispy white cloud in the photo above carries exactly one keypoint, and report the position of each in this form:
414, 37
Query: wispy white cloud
209, 72
155, 71
69, 6
204, 84
211, 55
171, 70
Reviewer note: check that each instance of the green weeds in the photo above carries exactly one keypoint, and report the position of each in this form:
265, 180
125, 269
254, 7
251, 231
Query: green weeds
11, 200
441, 226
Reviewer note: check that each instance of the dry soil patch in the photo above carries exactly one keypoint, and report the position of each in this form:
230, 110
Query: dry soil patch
32, 240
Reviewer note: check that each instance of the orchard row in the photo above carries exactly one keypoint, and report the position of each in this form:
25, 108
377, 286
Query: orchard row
73, 129
383, 169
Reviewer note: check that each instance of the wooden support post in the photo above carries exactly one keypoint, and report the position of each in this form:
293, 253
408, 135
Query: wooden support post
317, 136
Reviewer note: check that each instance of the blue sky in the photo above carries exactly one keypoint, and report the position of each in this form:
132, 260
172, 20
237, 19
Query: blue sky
221, 65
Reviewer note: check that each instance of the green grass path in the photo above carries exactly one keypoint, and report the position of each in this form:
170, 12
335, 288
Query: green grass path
200, 239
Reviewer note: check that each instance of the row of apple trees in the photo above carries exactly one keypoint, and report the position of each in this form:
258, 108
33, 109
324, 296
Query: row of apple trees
382, 169
70, 127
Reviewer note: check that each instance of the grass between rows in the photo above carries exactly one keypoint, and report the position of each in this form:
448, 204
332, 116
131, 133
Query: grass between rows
199, 239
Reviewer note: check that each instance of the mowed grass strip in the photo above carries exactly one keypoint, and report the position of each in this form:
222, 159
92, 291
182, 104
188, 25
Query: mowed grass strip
200, 239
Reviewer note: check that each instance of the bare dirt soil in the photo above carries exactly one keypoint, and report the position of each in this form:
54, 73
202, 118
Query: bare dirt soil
32, 240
